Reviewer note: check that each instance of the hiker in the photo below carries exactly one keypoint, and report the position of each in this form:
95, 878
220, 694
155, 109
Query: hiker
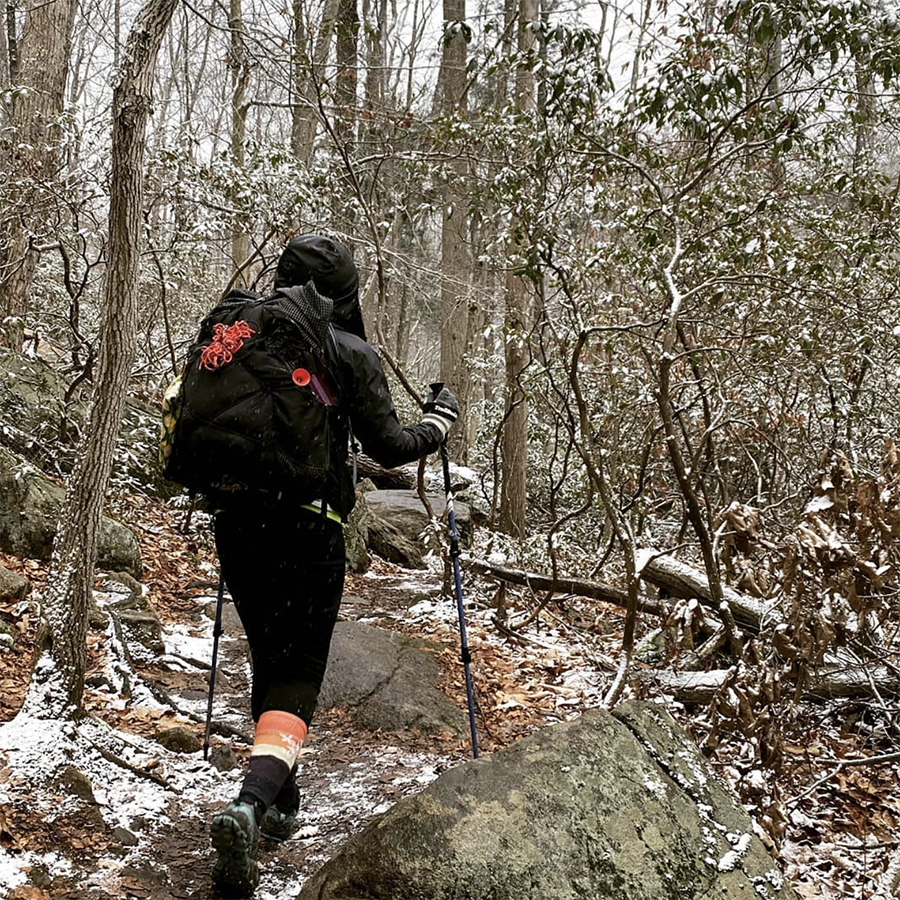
284, 565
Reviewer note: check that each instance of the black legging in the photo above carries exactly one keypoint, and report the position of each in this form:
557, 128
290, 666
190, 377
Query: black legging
284, 568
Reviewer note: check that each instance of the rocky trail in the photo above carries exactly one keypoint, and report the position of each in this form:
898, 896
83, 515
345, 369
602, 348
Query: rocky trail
130, 816
117, 806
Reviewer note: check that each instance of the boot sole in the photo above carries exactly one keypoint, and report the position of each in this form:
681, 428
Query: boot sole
235, 872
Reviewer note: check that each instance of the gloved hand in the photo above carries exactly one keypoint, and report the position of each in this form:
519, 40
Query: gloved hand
441, 408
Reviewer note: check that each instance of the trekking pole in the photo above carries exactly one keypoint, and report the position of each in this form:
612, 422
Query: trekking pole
217, 631
464, 654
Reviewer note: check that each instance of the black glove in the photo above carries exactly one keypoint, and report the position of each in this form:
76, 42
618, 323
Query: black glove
441, 408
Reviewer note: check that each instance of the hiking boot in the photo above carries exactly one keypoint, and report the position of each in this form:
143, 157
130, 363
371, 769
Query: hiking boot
278, 822
234, 834
277, 825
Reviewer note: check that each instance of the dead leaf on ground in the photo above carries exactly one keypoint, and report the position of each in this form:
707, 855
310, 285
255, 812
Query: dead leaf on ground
28, 892
7, 837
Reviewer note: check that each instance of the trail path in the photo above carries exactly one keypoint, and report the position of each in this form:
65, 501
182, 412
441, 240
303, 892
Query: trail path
101, 811
138, 827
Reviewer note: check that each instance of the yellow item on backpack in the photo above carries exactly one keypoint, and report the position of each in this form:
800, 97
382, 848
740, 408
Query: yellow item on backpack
173, 400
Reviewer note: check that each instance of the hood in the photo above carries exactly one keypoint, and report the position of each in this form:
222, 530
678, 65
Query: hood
330, 265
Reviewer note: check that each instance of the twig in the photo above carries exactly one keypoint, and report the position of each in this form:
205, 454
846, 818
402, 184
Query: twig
838, 764
239, 271
420, 488
534, 613
142, 773
518, 636
161, 694
712, 645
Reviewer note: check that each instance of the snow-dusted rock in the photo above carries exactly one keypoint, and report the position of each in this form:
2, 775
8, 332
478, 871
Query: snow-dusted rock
404, 510
388, 681
178, 739
12, 585
396, 520
612, 805
356, 531
41, 421
30, 510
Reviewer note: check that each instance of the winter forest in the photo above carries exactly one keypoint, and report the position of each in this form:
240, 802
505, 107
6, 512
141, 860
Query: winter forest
651, 249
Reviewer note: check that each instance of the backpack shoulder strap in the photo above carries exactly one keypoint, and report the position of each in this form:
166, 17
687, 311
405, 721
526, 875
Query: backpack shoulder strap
336, 371
242, 304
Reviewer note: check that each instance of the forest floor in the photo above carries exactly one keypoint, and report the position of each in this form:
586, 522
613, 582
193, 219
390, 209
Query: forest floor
137, 825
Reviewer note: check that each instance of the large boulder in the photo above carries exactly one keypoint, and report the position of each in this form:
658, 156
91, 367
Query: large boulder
404, 509
356, 531
30, 510
42, 419
613, 805
33, 412
397, 519
388, 681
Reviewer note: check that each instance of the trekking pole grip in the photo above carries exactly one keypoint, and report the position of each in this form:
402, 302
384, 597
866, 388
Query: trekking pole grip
436, 387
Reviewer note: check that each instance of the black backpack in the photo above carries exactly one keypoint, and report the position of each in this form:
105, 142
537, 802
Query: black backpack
258, 407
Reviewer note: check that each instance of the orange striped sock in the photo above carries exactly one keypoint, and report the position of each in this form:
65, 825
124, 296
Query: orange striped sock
276, 745
279, 734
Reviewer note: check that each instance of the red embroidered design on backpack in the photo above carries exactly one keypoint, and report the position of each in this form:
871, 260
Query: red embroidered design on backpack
227, 340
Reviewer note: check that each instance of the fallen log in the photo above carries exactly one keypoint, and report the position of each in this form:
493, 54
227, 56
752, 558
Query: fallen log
686, 687
670, 575
681, 580
595, 590
841, 678
701, 687
383, 479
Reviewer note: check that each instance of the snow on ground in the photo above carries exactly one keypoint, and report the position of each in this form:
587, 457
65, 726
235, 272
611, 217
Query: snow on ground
541, 673
136, 781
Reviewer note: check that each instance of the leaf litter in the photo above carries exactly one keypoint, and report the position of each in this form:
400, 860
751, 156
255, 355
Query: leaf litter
136, 825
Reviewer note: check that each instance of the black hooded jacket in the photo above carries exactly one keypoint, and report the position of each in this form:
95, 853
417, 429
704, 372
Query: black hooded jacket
365, 395
367, 399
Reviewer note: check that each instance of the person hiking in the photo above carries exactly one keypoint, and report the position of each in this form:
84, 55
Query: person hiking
284, 565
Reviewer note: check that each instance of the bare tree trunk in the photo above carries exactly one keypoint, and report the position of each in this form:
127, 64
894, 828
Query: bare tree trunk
117, 32
698, 510
57, 682
454, 229
415, 37
239, 64
301, 141
376, 60
774, 65
514, 442
347, 69
864, 152
12, 40
636, 69
308, 69
403, 327
4, 49
454, 305
42, 61
192, 86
